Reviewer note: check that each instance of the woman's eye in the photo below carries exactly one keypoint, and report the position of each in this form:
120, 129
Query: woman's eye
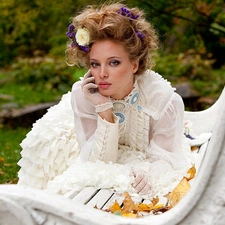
94, 64
114, 63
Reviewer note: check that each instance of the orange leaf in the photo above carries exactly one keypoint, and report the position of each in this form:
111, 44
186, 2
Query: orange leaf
149, 207
128, 204
179, 192
145, 207
191, 173
155, 200
115, 207
194, 148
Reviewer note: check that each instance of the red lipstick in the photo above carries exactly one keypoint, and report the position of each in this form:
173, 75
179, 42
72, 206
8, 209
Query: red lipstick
104, 85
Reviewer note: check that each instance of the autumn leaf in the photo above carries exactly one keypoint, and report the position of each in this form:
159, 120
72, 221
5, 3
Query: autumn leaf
161, 210
145, 207
194, 148
115, 207
149, 207
156, 207
130, 215
128, 204
191, 173
155, 201
178, 193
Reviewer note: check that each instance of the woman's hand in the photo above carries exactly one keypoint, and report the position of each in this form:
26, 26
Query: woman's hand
141, 182
91, 94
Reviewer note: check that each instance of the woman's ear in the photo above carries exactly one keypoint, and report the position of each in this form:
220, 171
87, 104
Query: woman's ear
135, 66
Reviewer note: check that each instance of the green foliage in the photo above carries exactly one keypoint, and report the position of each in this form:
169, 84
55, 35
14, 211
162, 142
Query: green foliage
192, 67
189, 65
37, 80
44, 74
10, 153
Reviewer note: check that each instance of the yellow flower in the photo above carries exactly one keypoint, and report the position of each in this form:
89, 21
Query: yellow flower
82, 37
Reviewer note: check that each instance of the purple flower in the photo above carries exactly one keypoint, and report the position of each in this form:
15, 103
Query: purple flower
140, 34
126, 12
84, 48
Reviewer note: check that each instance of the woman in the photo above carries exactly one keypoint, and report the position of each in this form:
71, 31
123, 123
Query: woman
128, 119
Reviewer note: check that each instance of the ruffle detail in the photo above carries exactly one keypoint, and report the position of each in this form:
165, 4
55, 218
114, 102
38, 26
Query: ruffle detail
157, 93
50, 147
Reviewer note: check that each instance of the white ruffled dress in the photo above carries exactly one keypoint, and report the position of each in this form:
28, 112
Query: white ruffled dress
147, 135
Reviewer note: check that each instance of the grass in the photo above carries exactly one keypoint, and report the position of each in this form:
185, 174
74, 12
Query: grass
24, 94
10, 153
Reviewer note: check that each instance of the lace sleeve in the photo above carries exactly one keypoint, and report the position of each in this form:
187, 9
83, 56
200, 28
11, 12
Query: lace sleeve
166, 136
97, 138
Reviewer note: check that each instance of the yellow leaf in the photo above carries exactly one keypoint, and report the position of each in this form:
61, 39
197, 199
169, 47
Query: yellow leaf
149, 207
158, 206
145, 207
130, 215
115, 207
191, 173
179, 192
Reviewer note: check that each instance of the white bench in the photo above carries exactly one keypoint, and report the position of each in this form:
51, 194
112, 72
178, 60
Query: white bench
204, 203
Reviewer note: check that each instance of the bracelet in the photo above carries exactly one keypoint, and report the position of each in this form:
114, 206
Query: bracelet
103, 107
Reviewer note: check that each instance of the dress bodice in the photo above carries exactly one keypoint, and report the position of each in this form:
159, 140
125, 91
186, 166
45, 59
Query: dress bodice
133, 122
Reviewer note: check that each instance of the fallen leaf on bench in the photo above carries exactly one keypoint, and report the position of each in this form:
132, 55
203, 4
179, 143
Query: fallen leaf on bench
178, 193
191, 173
115, 207
194, 148
130, 215
150, 207
128, 205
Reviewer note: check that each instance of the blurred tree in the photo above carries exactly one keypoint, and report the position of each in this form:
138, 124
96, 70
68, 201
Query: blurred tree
37, 27
190, 24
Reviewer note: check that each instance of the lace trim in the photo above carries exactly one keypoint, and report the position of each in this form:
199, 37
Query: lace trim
103, 107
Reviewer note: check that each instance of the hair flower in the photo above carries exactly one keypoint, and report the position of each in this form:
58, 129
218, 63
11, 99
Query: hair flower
82, 37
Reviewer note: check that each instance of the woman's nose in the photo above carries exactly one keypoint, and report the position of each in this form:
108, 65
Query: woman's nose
103, 72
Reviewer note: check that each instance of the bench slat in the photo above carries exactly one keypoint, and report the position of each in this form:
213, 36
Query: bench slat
85, 195
101, 198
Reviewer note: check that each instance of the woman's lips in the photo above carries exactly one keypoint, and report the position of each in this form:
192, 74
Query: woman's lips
104, 85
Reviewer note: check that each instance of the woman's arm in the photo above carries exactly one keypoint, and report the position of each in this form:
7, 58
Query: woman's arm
167, 134
97, 137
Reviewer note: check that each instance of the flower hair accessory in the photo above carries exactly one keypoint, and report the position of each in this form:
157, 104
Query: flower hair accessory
126, 12
80, 39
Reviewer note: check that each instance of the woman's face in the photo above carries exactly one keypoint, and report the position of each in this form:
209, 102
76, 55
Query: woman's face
112, 69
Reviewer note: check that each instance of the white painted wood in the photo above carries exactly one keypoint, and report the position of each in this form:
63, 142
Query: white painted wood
116, 197
85, 195
100, 198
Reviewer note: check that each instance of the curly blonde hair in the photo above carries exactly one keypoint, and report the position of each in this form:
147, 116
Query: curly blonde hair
106, 22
